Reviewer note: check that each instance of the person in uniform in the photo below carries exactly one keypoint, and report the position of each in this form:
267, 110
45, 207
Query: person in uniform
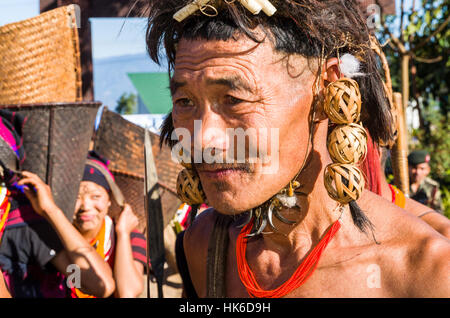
422, 188
373, 168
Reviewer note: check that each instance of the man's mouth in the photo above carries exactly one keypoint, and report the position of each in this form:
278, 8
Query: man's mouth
216, 171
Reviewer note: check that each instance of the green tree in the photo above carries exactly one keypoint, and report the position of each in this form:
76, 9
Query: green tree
126, 104
418, 51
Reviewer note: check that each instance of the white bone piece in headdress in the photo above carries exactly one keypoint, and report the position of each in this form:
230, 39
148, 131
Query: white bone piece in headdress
254, 6
189, 9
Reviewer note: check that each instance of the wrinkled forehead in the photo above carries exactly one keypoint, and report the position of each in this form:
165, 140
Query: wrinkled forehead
201, 50
243, 56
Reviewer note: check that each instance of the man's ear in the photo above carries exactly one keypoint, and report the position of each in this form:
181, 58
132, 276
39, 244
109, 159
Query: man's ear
331, 72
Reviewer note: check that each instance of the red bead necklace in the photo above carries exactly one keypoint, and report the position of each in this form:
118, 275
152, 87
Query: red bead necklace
303, 272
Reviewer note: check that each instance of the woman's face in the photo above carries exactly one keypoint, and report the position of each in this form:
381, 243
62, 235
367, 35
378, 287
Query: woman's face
91, 207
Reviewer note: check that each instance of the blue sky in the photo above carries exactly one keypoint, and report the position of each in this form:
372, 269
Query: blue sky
117, 36
16, 10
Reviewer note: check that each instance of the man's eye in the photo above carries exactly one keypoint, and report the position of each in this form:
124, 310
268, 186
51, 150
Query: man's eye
231, 100
184, 102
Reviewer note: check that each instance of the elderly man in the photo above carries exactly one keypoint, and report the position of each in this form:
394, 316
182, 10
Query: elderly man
235, 67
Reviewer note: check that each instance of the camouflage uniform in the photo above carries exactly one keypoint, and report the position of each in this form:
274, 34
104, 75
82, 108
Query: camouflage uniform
428, 194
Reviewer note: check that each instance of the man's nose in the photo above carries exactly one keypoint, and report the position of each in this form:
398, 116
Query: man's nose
210, 133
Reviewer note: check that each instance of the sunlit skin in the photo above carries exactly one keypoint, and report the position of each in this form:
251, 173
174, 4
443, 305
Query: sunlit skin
96, 276
90, 209
225, 90
232, 84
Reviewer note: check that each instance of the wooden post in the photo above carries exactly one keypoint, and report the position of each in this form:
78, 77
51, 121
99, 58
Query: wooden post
405, 80
399, 153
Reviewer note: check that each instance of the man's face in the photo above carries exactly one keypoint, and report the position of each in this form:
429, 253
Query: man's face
241, 84
417, 173
91, 207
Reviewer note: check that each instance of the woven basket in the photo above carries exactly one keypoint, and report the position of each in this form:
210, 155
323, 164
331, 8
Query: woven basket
40, 59
122, 143
56, 140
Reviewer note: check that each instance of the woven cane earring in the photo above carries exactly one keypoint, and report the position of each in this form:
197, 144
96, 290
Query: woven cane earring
347, 143
344, 182
343, 101
189, 187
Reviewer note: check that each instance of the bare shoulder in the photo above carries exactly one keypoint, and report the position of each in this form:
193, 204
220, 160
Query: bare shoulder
429, 262
416, 258
195, 244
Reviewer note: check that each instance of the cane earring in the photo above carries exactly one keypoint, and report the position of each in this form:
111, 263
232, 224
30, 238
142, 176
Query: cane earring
189, 187
347, 142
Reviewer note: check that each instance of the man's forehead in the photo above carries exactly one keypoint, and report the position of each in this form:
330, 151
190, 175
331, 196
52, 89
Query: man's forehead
228, 62
241, 45
198, 51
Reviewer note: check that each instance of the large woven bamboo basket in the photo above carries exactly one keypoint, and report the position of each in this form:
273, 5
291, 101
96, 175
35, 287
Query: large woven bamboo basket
56, 140
122, 142
40, 59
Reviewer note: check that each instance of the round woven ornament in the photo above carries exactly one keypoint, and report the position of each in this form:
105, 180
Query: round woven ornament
347, 144
344, 182
189, 187
343, 101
